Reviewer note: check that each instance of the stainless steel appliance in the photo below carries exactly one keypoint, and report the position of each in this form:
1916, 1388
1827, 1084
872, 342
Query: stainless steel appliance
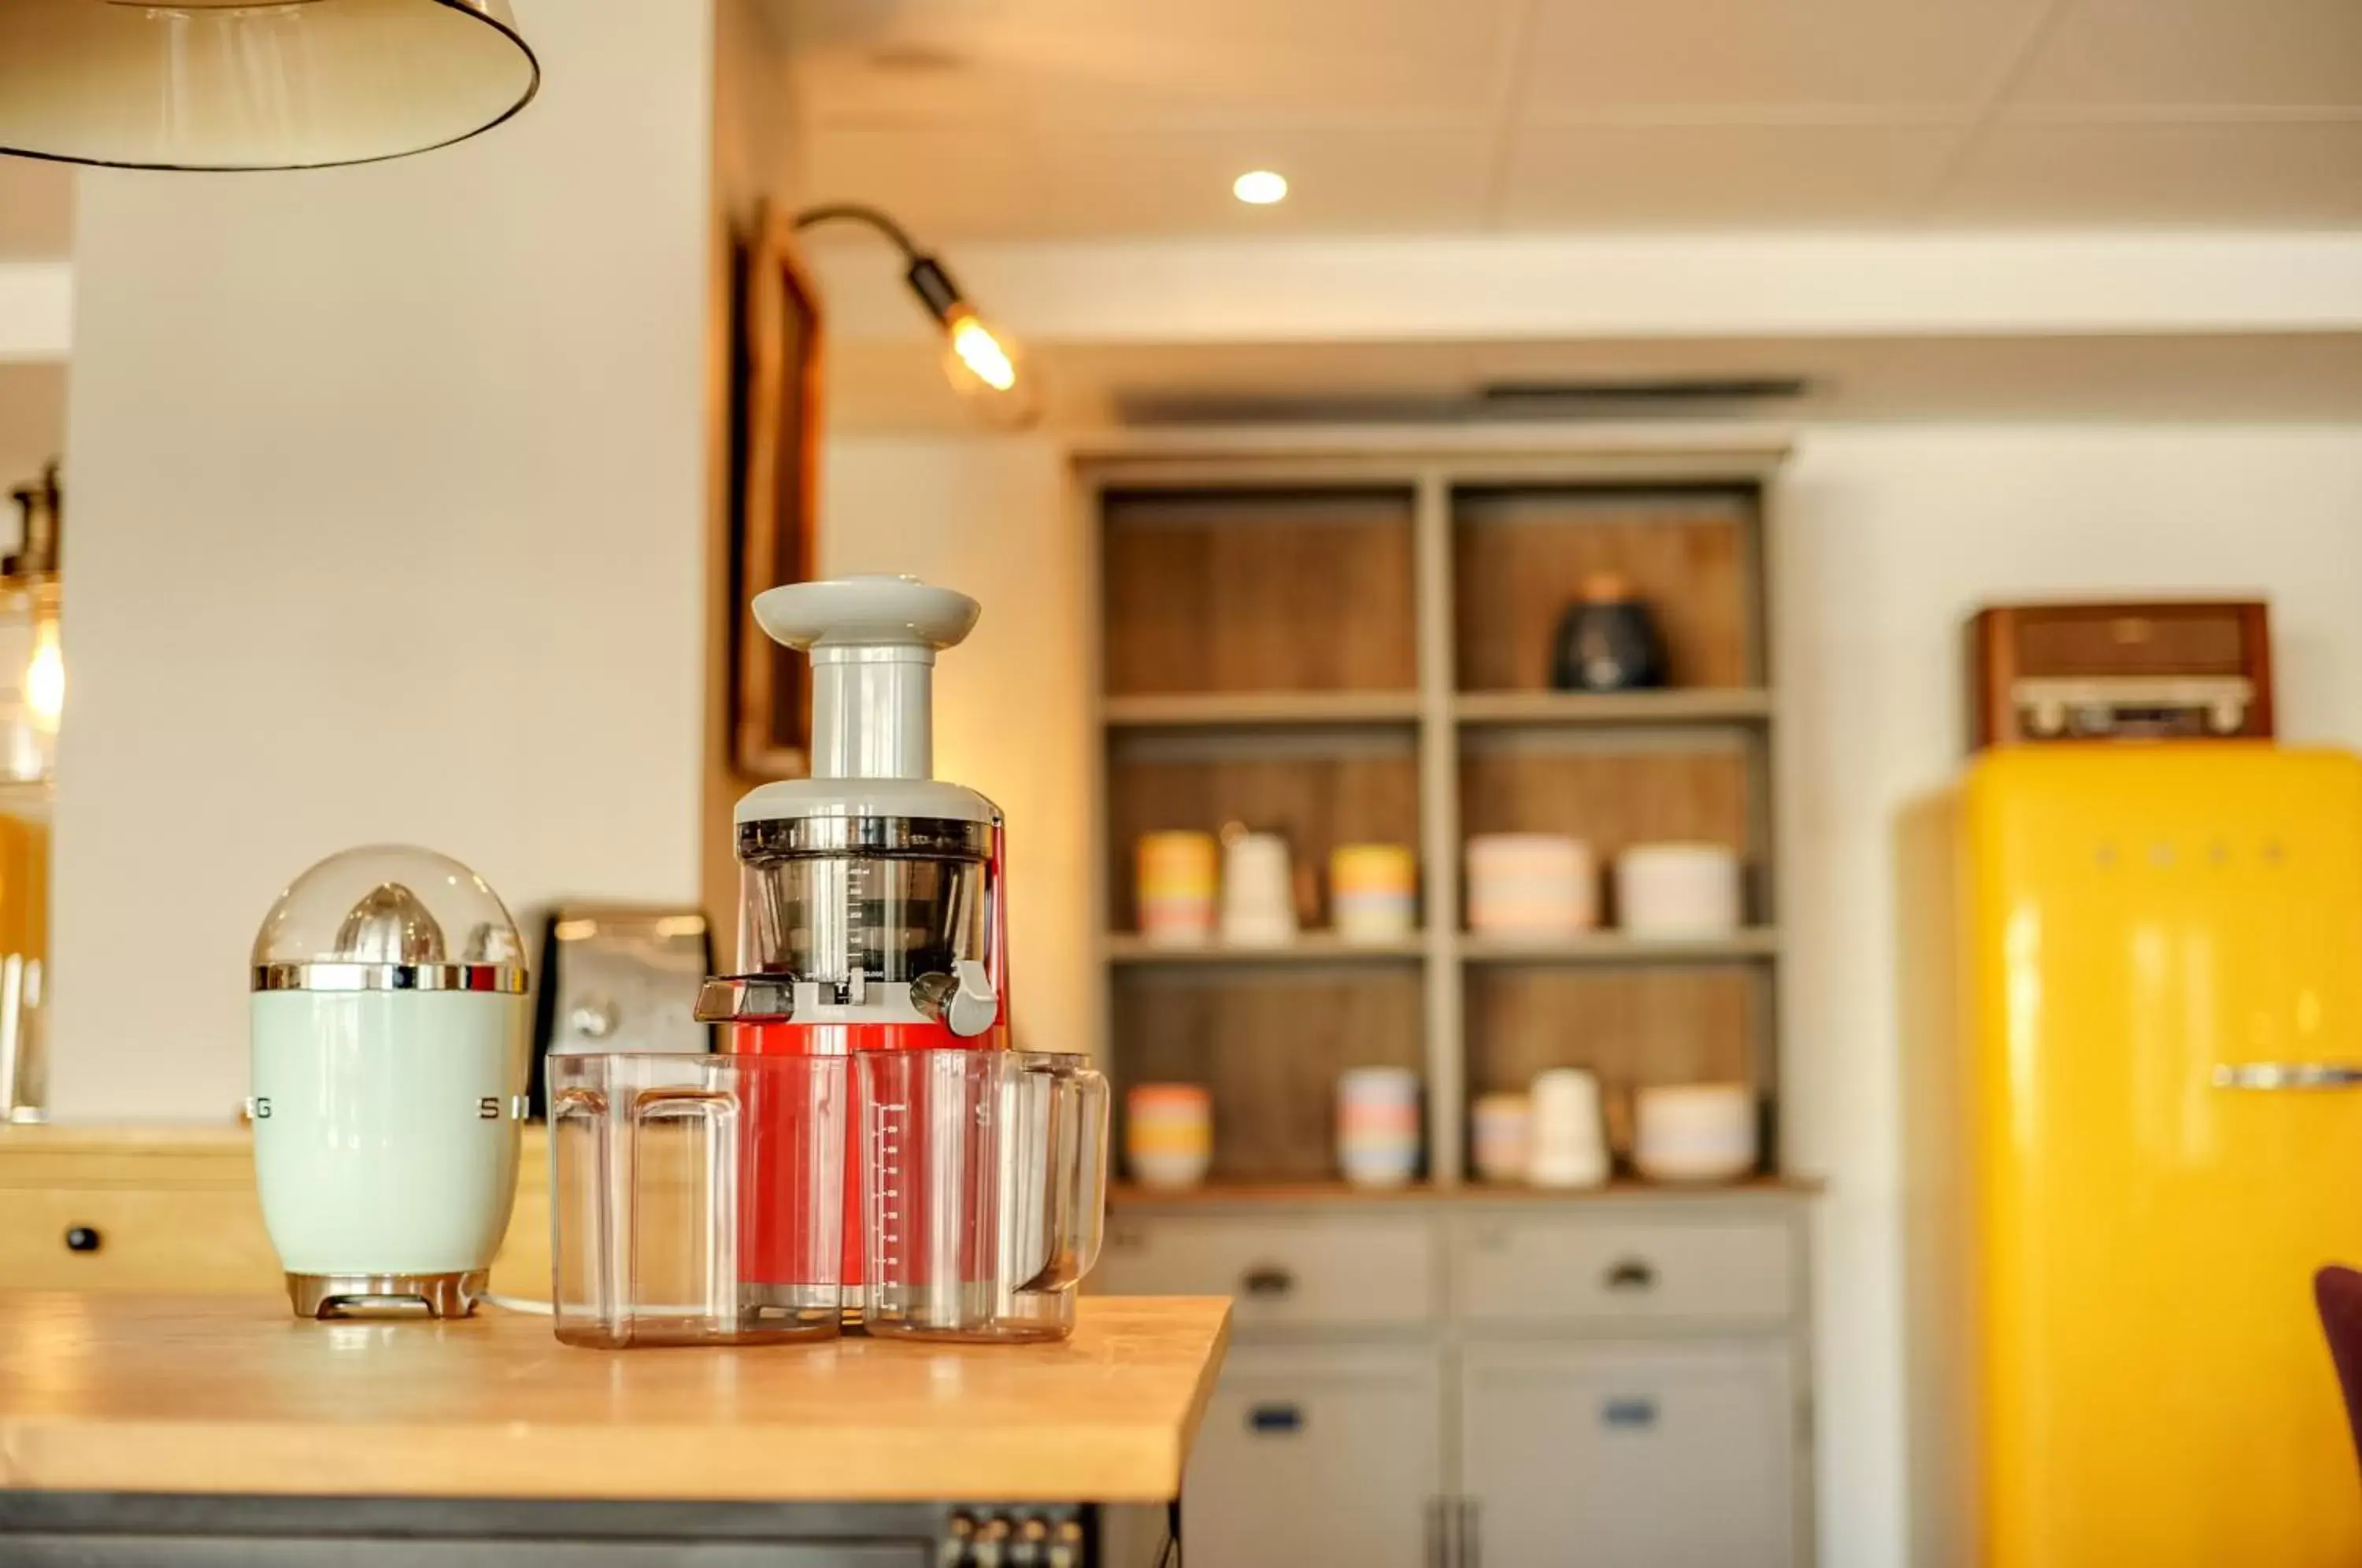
619, 977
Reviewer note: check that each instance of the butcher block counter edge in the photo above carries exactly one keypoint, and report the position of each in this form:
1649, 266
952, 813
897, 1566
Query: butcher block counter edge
232, 1395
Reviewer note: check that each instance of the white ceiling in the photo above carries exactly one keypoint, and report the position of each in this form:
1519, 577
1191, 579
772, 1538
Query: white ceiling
1057, 118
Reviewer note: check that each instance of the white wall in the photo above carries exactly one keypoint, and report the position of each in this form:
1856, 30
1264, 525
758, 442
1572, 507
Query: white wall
1887, 539
32, 428
1504, 288
992, 518
387, 524
36, 309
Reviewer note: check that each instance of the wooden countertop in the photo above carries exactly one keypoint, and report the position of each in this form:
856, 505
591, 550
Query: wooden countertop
213, 1395
1126, 1196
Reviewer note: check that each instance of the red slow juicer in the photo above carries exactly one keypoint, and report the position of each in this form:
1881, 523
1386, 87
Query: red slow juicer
871, 914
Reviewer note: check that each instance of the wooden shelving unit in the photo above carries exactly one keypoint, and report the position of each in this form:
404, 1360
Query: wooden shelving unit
1218, 710
1347, 647
1704, 706
1617, 947
1131, 1198
1312, 947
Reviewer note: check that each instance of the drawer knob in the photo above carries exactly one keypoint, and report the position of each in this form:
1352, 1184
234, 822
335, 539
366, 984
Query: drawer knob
1630, 1274
1276, 1417
83, 1239
1629, 1413
1267, 1283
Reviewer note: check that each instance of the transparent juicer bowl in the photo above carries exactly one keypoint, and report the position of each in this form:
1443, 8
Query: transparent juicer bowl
983, 1183
819, 904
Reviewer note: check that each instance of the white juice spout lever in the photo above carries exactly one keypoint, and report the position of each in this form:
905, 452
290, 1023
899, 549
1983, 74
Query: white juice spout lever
873, 641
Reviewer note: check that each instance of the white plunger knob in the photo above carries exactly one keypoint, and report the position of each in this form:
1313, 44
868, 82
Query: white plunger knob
877, 611
873, 641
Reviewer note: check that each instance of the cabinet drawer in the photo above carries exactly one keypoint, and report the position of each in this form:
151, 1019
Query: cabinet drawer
1524, 1268
203, 1240
1631, 1456
1330, 1270
1312, 1456
196, 1239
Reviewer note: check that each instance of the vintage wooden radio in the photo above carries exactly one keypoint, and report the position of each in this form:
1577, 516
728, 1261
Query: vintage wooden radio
2194, 670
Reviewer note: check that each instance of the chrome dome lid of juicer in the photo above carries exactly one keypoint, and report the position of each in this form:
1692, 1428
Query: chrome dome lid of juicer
389, 917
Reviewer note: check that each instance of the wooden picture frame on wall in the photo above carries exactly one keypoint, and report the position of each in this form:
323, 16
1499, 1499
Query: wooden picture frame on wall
777, 396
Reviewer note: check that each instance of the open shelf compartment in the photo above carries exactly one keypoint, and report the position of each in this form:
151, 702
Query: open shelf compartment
1269, 1045
1319, 789
1519, 556
1293, 592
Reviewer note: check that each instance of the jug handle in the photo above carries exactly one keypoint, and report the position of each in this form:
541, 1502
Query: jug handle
1090, 1228
1082, 1217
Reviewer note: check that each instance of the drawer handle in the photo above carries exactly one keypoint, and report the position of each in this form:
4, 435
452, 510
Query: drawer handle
1630, 1275
1265, 1282
1629, 1413
1276, 1417
83, 1239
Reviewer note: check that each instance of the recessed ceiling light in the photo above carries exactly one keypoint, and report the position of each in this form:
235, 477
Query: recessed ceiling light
1259, 187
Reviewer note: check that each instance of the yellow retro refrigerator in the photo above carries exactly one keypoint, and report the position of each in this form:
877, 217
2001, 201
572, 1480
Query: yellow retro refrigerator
2159, 1104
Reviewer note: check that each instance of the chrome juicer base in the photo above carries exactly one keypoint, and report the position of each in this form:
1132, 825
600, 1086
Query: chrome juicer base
384, 1295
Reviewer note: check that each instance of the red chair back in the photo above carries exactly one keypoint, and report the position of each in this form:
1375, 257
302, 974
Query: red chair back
2338, 1293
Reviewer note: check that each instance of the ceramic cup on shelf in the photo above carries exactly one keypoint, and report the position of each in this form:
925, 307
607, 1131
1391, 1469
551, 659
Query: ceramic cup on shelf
1373, 891
1258, 890
1531, 884
1502, 1146
1176, 880
1168, 1134
1377, 1125
1677, 890
1569, 1148
1695, 1133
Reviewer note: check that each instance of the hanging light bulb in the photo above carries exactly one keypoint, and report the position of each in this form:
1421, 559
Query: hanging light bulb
982, 362
254, 83
987, 367
982, 353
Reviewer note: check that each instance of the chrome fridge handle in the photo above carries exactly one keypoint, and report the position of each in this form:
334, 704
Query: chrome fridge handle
2287, 1075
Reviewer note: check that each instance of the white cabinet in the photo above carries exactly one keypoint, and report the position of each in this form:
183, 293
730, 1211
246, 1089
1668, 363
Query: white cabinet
1314, 1454
1285, 1271
1610, 1381
1629, 1456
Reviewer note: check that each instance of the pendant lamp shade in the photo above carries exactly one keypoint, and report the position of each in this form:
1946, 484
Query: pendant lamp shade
237, 84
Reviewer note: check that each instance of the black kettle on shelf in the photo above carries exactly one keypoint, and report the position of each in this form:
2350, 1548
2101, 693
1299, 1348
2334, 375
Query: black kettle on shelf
1608, 641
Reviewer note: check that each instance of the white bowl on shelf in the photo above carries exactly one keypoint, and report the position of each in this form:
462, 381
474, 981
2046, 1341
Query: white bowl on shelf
1501, 1144
1531, 884
1169, 1170
1677, 890
1378, 1163
1695, 1133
